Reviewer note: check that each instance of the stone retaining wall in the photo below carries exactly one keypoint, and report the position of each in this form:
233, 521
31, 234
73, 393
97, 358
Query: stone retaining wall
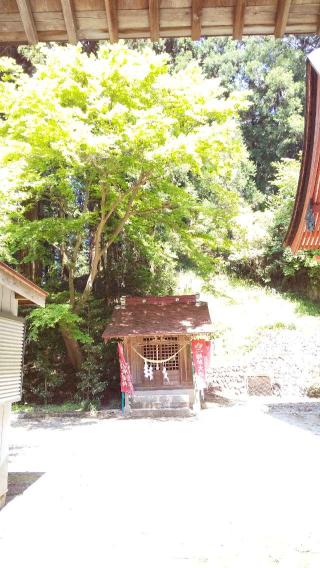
291, 358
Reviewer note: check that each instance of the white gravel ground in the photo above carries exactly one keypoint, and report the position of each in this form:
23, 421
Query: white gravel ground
235, 487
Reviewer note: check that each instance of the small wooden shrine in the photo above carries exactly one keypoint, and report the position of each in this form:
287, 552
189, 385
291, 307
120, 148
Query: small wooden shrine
157, 335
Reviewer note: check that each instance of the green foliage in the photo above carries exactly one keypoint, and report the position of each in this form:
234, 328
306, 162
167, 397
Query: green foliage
281, 264
10, 72
47, 375
64, 407
53, 315
264, 258
133, 267
279, 325
97, 380
115, 169
102, 144
44, 381
120, 165
92, 380
273, 73
303, 305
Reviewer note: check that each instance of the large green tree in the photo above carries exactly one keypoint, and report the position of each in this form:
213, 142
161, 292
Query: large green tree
273, 71
97, 146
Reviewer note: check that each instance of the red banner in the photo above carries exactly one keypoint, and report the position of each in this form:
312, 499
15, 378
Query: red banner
201, 355
125, 374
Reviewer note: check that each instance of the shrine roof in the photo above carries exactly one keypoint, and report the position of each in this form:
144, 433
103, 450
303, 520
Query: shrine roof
304, 229
151, 315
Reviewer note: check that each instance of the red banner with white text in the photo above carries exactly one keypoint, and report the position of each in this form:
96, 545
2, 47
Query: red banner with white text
201, 356
125, 374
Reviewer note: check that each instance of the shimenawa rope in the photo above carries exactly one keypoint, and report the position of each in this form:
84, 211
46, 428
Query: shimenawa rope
158, 361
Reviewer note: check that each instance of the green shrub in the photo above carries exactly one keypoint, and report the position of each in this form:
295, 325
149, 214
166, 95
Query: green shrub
279, 325
92, 377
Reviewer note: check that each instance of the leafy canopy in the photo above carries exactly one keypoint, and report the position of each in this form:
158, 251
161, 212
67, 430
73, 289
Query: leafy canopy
94, 146
273, 72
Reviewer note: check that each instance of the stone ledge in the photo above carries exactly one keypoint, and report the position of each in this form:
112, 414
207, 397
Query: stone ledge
159, 413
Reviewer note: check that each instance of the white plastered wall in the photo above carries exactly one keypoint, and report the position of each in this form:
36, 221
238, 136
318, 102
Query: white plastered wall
4, 449
9, 306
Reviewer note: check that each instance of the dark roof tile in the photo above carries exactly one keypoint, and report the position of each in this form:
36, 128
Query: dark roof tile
179, 315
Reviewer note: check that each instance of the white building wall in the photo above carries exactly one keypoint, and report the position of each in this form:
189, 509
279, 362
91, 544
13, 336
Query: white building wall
8, 302
9, 306
5, 410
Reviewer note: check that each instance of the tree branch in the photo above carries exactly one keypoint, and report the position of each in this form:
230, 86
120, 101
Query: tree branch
121, 198
123, 221
163, 209
98, 250
79, 238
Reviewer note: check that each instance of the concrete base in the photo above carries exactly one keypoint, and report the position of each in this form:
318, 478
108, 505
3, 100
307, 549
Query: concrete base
155, 403
159, 413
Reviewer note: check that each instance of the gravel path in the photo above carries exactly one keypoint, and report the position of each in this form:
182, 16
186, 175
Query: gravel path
237, 486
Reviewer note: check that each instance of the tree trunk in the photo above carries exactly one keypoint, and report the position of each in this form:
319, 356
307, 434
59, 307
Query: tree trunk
31, 269
98, 250
73, 349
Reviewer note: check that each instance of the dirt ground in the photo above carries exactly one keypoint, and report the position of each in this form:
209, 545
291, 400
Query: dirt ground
237, 486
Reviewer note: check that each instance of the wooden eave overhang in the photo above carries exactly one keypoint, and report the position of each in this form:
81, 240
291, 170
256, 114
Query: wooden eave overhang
26, 292
303, 235
32, 21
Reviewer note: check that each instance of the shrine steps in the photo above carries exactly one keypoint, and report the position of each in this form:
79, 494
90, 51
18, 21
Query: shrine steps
177, 402
159, 413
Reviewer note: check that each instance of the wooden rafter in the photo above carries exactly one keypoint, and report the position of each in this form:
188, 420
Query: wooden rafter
239, 19
196, 8
52, 20
154, 19
112, 19
282, 15
27, 20
21, 285
318, 25
69, 19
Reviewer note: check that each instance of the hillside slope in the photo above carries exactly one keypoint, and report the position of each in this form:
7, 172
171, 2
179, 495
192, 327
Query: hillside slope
260, 332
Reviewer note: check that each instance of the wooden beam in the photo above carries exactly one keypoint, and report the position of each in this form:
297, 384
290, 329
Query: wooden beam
238, 22
112, 19
20, 287
196, 8
282, 15
69, 19
154, 19
27, 20
318, 25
